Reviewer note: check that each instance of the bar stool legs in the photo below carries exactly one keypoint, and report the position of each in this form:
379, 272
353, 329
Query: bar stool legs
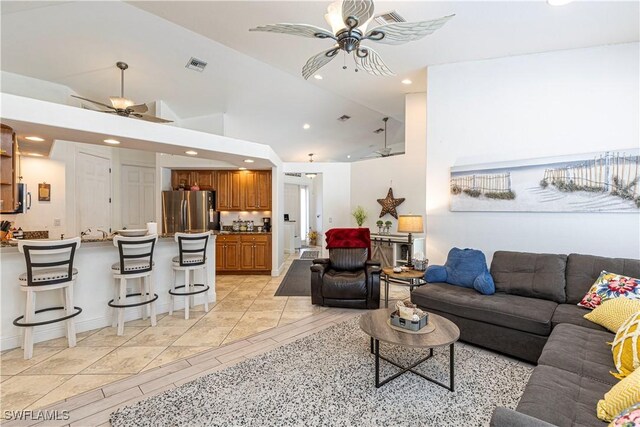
29, 317
189, 290
150, 293
122, 296
68, 305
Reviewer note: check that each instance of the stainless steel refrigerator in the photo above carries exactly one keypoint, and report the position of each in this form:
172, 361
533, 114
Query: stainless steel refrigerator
189, 211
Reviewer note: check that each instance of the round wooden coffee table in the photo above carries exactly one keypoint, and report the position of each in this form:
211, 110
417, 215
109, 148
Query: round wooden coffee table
410, 278
446, 333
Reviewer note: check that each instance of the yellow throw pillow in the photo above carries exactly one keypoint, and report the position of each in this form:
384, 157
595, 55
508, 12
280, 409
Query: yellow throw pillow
612, 313
620, 397
626, 346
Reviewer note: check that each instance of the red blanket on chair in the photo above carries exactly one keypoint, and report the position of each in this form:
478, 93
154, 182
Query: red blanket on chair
349, 238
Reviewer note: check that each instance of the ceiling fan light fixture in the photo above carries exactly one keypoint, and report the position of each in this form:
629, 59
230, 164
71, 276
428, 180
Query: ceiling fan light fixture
121, 103
334, 16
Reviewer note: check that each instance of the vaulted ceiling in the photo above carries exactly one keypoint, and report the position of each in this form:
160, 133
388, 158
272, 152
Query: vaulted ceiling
254, 78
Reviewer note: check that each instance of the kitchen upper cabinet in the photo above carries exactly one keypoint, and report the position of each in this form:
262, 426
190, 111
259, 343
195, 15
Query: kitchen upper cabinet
204, 179
187, 178
8, 182
181, 178
229, 195
257, 190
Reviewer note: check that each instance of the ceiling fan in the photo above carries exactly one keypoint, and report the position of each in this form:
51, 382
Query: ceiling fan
386, 151
349, 22
122, 106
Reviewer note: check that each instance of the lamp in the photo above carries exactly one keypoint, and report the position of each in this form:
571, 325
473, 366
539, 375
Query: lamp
410, 224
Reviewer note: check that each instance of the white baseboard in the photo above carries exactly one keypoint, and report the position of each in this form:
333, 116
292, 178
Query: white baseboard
58, 330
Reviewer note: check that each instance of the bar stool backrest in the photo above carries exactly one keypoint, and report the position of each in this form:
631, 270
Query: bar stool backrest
192, 245
135, 250
43, 255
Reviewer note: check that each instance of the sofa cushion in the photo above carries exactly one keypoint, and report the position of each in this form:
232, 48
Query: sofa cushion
344, 284
613, 313
583, 270
511, 311
561, 397
609, 286
530, 275
464, 267
580, 350
569, 313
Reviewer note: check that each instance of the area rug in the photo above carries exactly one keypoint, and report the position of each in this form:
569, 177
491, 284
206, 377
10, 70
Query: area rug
297, 281
328, 379
310, 255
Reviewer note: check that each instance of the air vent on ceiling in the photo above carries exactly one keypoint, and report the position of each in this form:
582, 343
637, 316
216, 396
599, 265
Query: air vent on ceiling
296, 174
379, 130
388, 18
196, 64
344, 118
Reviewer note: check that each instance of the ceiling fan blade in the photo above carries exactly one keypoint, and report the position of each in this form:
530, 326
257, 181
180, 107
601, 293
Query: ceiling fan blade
86, 107
94, 102
404, 32
372, 63
302, 30
361, 10
140, 108
318, 61
150, 118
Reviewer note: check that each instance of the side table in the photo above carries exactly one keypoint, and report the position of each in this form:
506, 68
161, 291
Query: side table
410, 278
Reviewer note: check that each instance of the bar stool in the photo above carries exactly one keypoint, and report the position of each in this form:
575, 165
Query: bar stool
136, 262
49, 267
192, 256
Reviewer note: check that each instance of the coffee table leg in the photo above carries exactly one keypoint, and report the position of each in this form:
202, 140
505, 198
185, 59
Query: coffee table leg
451, 367
386, 291
377, 350
372, 352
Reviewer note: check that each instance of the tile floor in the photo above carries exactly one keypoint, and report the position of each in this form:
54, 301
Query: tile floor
245, 307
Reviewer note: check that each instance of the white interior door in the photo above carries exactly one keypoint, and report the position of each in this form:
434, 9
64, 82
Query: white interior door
138, 196
93, 193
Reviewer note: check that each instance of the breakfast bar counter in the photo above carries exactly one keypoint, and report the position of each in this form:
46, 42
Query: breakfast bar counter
93, 289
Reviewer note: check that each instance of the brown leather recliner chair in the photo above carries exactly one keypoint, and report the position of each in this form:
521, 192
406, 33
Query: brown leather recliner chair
346, 279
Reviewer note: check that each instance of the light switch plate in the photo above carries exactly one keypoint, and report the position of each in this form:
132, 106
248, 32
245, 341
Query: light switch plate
56, 222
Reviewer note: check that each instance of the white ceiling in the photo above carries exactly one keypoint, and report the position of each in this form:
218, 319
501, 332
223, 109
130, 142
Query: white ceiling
480, 30
254, 78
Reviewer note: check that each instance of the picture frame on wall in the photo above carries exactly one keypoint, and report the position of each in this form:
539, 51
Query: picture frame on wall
44, 192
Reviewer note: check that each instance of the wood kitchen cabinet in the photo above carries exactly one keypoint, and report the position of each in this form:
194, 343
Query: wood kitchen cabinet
229, 185
187, 178
227, 253
257, 190
8, 182
243, 254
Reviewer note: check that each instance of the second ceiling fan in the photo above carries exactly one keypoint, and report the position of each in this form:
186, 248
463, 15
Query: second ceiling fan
122, 106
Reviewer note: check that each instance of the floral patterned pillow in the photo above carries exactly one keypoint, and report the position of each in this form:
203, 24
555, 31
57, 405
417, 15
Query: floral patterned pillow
608, 286
630, 417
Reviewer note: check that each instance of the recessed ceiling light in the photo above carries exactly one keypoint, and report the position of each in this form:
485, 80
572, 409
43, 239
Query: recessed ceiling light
112, 141
306, 126
242, 168
35, 154
248, 161
34, 138
191, 153
406, 82
558, 2
317, 77
349, 156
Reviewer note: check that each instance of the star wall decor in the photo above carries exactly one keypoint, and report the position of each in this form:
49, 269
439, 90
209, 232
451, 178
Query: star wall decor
389, 204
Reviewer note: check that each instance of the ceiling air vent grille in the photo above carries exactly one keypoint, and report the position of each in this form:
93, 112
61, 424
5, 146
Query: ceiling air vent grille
196, 64
388, 18
296, 174
344, 118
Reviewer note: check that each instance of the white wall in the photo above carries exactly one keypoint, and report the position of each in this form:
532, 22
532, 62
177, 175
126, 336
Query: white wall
406, 174
522, 107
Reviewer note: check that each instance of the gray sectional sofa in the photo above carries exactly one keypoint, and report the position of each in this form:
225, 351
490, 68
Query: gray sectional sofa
533, 316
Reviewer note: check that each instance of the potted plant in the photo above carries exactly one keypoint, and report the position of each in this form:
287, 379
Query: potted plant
312, 237
360, 215
380, 223
387, 227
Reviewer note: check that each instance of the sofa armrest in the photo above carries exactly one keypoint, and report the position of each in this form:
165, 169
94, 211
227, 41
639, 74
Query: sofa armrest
318, 269
320, 265
373, 267
503, 417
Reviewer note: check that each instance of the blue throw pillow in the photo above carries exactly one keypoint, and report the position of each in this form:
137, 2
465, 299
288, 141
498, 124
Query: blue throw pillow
466, 268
